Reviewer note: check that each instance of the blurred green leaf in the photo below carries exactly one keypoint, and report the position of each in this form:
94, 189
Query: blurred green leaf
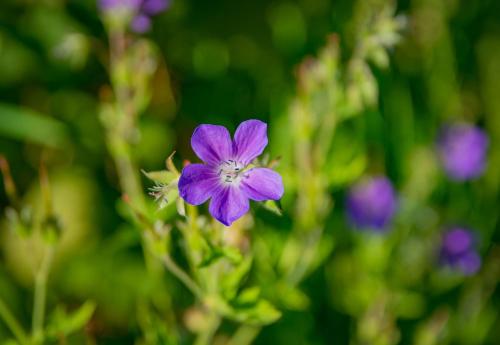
234, 278
248, 296
260, 313
162, 176
288, 27
25, 124
273, 206
214, 253
10, 342
292, 297
64, 323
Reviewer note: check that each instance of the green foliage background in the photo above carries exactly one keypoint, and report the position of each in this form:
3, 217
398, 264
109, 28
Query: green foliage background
223, 62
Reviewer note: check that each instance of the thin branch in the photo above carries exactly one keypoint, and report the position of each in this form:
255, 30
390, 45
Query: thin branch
41, 295
244, 335
182, 276
12, 324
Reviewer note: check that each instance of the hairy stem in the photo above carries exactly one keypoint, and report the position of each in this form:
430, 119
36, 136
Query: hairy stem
119, 133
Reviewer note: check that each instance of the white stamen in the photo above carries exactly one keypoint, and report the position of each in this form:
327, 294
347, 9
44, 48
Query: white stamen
231, 172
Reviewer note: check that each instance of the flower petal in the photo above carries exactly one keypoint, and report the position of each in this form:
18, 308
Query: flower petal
250, 140
197, 183
228, 204
212, 143
262, 184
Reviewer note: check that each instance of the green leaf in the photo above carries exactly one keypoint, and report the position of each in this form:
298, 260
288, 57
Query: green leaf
10, 342
248, 296
163, 176
215, 252
260, 313
291, 297
25, 124
180, 205
233, 254
273, 206
63, 323
233, 280
210, 258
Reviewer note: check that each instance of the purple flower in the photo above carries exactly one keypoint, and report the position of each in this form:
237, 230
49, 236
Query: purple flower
154, 7
462, 150
142, 10
140, 24
457, 251
371, 203
110, 5
226, 177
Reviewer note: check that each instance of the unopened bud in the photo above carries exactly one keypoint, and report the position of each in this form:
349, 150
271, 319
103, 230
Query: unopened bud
51, 229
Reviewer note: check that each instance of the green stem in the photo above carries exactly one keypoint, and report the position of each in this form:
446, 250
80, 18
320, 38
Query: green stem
205, 337
119, 132
244, 335
12, 323
182, 276
309, 252
127, 171
41, 295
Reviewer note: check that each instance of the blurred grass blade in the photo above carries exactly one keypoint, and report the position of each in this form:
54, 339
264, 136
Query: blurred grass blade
28, 125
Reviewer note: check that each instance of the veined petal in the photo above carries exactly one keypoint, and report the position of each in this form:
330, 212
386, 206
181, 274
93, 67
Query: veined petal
228, 204
197, 183
212, 143
262, 184
250, 140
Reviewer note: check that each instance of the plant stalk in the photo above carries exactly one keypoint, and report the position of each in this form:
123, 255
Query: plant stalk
182, 276
40, 295
12, 324
205, 337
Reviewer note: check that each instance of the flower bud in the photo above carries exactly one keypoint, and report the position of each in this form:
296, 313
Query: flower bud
371, 204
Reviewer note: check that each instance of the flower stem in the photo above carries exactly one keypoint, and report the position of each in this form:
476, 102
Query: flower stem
120, 131
205, 337
244, 335
182, 276
309, 252
12, 324
40, 295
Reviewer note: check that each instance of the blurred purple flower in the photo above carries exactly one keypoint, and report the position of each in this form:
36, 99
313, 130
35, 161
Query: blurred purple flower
140, 24
154, 7
462, 150
143, 10
110, 5
371, 204
226, 177
457, 251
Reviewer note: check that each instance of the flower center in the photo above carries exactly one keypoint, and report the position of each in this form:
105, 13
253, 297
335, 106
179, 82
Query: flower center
231, 172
